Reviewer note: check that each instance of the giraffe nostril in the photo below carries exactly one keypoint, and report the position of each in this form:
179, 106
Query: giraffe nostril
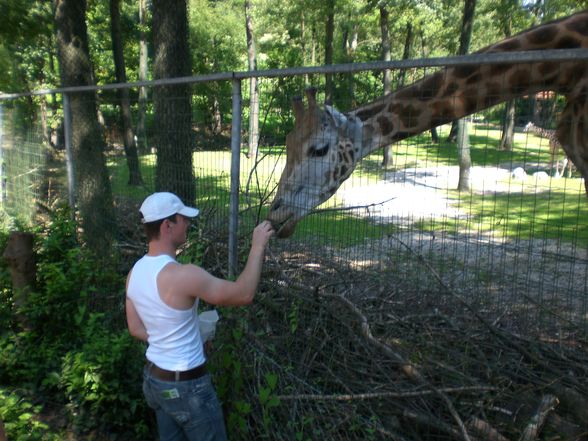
277, 204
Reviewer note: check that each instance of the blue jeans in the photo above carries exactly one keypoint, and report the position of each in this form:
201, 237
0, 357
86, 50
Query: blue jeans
185, 410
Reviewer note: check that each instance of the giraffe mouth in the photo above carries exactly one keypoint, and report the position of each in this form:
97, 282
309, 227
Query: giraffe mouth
284, 228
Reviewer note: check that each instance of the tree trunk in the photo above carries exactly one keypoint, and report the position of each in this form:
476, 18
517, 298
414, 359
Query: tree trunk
386, 56
143, 73
253, 90
20, 256
386, 52
329, 34
123, 94
463, 154
406, 53
464, 45
507, 138
425, 54
173, 110
348, 47
508, 124
313, 47
463, 148
303, 47
217, 121
44, 120
93, 191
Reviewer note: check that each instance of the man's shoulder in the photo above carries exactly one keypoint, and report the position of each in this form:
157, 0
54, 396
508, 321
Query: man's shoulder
178, 269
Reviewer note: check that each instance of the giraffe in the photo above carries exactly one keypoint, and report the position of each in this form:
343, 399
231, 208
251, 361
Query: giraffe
554, 147
325, 146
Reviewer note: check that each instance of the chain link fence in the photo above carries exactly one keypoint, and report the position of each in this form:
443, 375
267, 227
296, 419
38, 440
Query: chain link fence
402, 308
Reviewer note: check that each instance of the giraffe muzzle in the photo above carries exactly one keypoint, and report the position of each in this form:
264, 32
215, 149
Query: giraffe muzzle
283, 228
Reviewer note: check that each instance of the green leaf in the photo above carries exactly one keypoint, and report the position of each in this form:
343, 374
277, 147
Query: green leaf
271, 379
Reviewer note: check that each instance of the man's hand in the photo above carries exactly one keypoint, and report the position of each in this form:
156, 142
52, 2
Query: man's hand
261, 235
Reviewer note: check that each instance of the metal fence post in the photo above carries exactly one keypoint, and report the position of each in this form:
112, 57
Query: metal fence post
69, 152
235, 174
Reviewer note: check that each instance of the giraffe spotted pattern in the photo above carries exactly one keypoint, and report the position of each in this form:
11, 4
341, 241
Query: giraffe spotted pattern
451, 93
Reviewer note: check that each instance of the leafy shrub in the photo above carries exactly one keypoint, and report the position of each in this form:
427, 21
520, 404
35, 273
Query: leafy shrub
68, 278
74, 349
21, 421
102, 380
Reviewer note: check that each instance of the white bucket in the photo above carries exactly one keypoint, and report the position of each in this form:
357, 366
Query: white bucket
207, 322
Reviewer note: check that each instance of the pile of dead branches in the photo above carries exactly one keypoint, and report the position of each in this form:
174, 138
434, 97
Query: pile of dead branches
362, 353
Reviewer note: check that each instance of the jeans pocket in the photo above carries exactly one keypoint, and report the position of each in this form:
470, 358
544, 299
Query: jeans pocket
149, 397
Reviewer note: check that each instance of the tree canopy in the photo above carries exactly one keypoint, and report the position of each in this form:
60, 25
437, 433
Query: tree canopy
289, 33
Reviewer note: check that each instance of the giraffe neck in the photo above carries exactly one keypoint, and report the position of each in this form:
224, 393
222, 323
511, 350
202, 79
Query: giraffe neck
540, 131
455, 92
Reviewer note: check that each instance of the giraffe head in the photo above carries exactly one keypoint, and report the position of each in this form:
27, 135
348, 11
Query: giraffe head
322, 150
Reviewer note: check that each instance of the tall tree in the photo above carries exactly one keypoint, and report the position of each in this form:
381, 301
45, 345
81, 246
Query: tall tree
329, 36
27, 49
465, 38
425, 54
350, 40
253, 89
173, 111
93, 191
508, 123
385, 42
123, 95
218, 43
386, 56
463, 146
405, 55
143, 71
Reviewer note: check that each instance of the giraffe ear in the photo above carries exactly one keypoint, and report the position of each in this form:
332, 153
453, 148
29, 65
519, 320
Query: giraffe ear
338, 118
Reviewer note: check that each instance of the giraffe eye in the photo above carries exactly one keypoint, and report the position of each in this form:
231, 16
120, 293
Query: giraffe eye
314, 152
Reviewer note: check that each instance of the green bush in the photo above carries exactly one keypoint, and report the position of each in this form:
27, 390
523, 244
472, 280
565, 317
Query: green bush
102, 381
74, 350
21, 421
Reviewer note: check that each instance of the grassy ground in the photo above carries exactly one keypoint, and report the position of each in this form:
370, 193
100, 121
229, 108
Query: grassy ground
550, 208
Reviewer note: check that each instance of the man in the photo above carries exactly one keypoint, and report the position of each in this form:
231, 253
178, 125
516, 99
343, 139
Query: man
161, 307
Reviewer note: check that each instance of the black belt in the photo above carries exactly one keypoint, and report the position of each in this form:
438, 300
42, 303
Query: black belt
165, 375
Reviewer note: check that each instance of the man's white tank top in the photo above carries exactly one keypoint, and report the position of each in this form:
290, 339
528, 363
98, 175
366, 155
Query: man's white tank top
173, 334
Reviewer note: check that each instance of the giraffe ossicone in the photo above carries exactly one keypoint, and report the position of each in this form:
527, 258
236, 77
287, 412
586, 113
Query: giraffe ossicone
325, 145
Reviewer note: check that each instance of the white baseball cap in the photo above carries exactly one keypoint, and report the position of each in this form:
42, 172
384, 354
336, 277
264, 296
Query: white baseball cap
162, 205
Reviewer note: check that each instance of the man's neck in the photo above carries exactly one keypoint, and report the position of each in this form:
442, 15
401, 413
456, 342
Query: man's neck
158, 248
